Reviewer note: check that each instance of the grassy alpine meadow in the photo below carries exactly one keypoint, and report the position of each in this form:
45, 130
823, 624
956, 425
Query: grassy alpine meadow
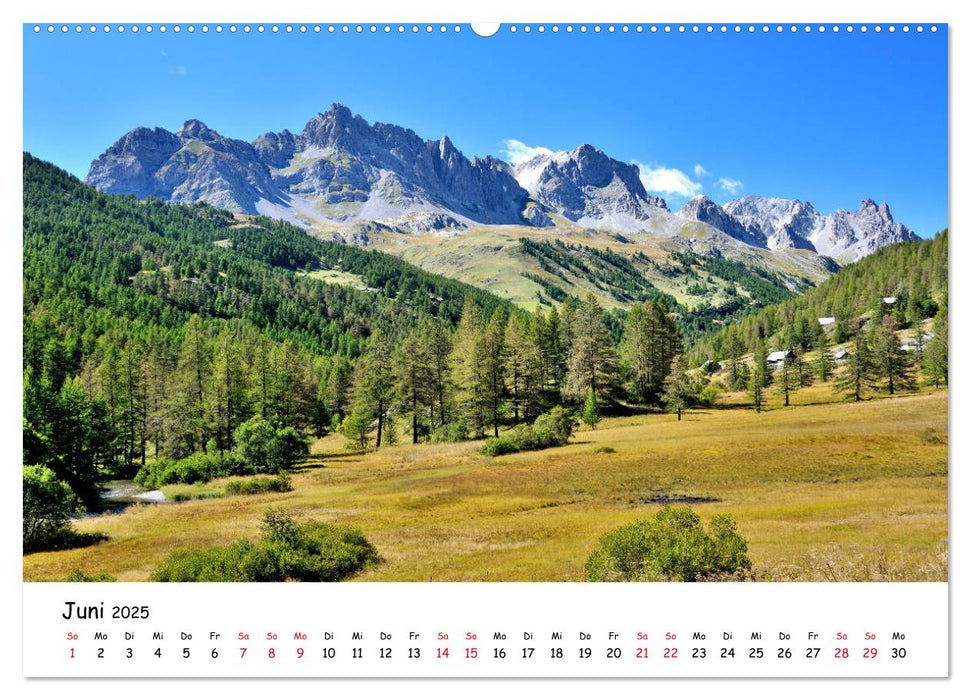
822, 490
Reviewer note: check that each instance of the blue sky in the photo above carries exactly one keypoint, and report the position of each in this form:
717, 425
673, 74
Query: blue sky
830, 118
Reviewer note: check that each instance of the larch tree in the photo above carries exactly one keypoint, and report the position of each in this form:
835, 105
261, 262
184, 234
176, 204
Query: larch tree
787, 379
935, 361
649, 344
229, 393
593, 360
338, 385
519, 361
760, 377
734, 350
855, 378
892, 364
677, 387
468, 362
438, 348
591, 410
374, 386
494, 357
824, 364
192, 375
414, 376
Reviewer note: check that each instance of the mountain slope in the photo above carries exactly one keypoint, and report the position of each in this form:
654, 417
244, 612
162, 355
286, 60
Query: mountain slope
154, 264
913, 273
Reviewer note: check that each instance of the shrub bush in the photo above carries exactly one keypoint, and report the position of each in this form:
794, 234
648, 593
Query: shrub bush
259, 484
554, 427
48, 505
672, 546
78, 576
196, 467
287, 447
269, 448
286, 551
551, 429
451, 432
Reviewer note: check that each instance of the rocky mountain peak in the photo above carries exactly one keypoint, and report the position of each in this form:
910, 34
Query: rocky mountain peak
333, 127
195, 129
589, 187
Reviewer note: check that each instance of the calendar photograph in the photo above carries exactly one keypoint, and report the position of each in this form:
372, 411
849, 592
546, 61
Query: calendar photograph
524, 303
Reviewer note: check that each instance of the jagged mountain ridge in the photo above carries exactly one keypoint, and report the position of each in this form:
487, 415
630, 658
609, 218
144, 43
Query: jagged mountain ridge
342, 170
777, 223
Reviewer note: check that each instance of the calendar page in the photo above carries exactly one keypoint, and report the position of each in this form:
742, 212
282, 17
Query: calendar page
511, 350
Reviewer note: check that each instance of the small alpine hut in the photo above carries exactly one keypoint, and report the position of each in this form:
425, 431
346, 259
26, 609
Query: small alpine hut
777, 356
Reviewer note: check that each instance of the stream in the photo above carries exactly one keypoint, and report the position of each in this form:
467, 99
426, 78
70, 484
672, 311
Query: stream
118, 495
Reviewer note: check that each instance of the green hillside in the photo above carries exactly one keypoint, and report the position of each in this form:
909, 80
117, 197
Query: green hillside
913, 274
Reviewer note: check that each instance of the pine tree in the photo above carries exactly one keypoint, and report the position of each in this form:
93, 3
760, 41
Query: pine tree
111, 388
554, 353
803, 370
920, 348
677, 387
263, 376
158, 369
293, 389
535, 390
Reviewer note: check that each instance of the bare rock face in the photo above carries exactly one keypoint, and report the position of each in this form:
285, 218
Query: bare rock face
194, 164
703, 209
130, 164
588, 187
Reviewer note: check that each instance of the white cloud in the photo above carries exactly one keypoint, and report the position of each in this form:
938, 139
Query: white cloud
700, 171
668, 181
730, 185
518, 152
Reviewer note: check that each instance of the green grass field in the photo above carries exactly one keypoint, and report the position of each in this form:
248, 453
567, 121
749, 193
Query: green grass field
821, 490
